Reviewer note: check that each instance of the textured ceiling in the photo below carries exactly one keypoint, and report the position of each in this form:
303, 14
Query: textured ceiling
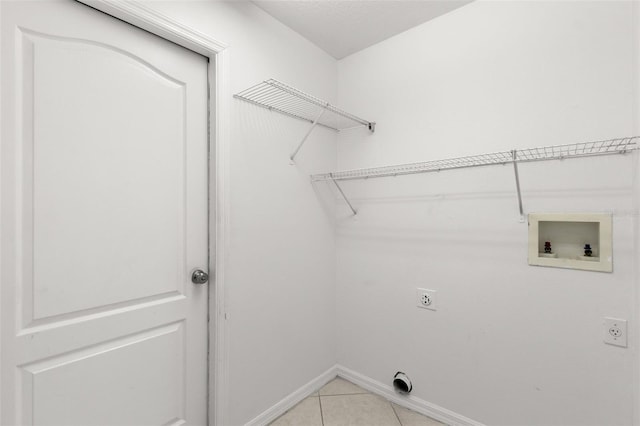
343, 27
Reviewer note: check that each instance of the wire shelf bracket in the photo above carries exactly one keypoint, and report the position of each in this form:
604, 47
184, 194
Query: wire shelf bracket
514, 153
515, 157
284, 99
346, 200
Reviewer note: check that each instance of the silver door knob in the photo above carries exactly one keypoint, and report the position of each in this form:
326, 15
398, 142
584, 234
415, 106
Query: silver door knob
199, 277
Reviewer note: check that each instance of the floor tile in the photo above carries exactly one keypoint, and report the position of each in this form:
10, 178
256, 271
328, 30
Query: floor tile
411, 418
306, 413
340, 386
357, 410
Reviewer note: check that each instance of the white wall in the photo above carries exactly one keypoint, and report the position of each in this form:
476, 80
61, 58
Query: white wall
511, 344
636, 131
280, 270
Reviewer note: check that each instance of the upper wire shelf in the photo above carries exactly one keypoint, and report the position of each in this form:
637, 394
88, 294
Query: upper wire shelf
277, 96
554, 152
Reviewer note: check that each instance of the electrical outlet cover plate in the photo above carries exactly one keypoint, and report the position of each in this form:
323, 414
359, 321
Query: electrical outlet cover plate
427, 299
615, 331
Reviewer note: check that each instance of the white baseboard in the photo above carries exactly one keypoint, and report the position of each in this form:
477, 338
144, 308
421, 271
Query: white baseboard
293, 398
411, 402
386, 391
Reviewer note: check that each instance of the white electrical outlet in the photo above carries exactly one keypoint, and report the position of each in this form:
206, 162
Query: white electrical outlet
615, 331
426, 299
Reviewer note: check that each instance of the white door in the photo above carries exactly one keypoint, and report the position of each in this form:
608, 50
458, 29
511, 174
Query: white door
103, 220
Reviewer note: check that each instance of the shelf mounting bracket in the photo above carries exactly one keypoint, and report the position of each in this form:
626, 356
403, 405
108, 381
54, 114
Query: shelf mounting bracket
342, 194
304, 139
514, 155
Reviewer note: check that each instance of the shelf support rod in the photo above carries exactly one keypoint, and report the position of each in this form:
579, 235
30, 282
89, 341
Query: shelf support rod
342, 193
514, 154
304, 139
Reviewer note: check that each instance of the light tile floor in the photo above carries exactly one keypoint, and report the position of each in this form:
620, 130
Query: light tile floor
341, 403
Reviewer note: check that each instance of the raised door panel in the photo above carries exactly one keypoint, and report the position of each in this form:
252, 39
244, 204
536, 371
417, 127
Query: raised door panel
135, 380
103, 181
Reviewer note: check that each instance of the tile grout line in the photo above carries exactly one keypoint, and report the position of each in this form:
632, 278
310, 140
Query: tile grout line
396, 413
319, 396
321, 415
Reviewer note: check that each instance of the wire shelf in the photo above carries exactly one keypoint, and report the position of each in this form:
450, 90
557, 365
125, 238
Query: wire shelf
277, 96
555, 152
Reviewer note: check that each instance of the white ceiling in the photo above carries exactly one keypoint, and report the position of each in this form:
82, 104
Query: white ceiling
343, 27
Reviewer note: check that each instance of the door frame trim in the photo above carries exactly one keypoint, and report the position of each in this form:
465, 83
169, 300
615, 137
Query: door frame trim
161, 25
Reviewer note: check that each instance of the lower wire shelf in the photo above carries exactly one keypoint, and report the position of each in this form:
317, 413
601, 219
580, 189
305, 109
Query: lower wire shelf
554, 152
516, 156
